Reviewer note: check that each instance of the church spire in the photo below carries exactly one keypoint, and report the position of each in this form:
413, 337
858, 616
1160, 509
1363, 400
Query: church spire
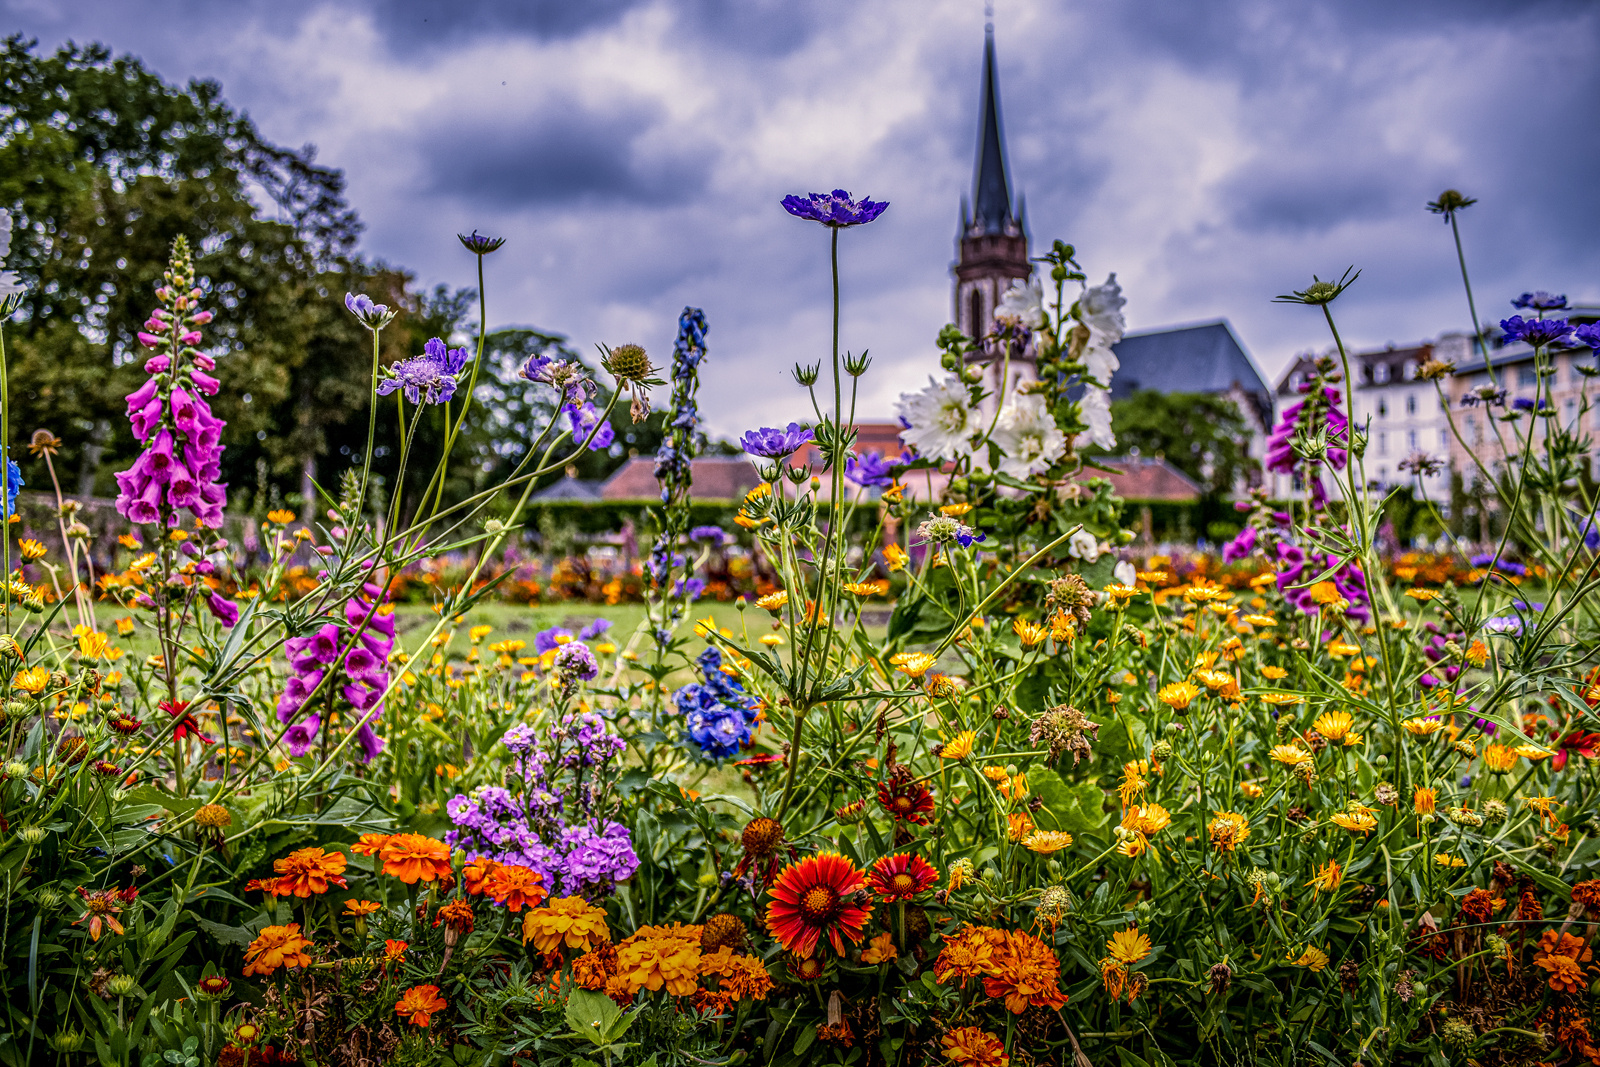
991, 185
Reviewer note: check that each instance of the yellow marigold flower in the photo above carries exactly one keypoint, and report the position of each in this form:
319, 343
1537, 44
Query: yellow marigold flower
771, 640
1290, 755
1274, 673
880, 950
1477, 653
871, 587
1328, 877
1357, 822
960, 746
1019, 824
1326, 593
1333, 725
1312, 957
1029, 633
1133, 845
1425, 800
31, 680
1128, 946
1262, 581
1046, 842
1251, 790
93, 644
1228, 830
1423, 726
31, 550
1178, 695
913, 664
773, 601
955, 511
1499, 759
1341, 649
1260, 621
895, 557
1423, 595
124, 626
1532, 752
569, 922
1444, 859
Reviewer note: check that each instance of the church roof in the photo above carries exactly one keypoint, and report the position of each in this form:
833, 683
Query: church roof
1203, 358
991, 185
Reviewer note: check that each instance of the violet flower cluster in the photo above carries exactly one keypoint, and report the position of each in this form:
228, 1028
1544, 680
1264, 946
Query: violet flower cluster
1318, 413
769, 443
683, 441
718, 712
182, 457
357, 653
1296, 566
550, 816
430, 377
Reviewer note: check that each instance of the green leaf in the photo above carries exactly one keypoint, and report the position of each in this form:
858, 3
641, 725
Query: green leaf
808, 1034
595, 1016
1076, 809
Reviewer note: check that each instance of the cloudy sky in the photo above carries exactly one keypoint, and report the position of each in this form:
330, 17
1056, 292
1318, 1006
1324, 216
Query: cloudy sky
634, 151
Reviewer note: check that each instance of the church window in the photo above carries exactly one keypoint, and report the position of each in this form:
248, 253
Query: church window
975, 313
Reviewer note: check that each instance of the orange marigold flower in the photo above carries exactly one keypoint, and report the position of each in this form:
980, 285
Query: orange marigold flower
880, 950
369, 844
413, 858
1565, 974
1556, 943
514, 885
1478, 905
476, 874
593, 970
654, 963
357, 908
306, 871
970, 1046
274, 947
970, 953
1587, 893
569, 922
419, 1004
815, 897
901, 877
1026, 974
394, 951
457, 917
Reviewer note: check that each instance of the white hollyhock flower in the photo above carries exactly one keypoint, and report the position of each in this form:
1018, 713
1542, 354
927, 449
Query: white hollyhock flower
1023, 304
1101, 362
941, 419
1083, 546
1028, 436
1095, 407
1101, 308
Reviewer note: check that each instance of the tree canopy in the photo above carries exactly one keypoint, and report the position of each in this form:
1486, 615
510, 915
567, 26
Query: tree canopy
1202, 434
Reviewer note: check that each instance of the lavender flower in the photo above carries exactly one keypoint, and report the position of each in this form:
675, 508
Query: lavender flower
373, 316
1536, 332
1541, 301
430, 377
769, 443
834, 209
869, 471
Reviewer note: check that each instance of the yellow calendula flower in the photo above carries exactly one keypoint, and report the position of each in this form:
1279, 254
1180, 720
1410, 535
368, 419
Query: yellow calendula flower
31, 680
1499, 758
93, 644
125, 626
1062, 628
1342, 649
1046, 842
1361, 821
913, 664
870, 587
1313, 958
955, 511
1333, 725
1251, 790
1274, 673
1545, 806
960, 746
1279, 698
1203, 591
1477, 653
895, 557
478, 633
1423, 726
1425, 800
281, 516
1423, 595
1327, 594
1178, 695
1128, 946
1019, 824
771, 640
773, 601
1120, 594
894, 494
1213, 679
1290, 755
1133, 781
1228, 830
1444, 859
1263, 622
1151, 577
1029, 633
1532, 752
31, 550
1328, 877
1147, 819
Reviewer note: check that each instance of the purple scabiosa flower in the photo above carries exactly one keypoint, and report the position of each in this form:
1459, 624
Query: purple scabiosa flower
576, 663
869, 471
550, 640
942, 529
715, 536
594, 629
1589, 334
372, 315
769, 443
584, 421
834, 209
1504, 624
1536, 332
689, 587
478, 244
428, 378
1540, 300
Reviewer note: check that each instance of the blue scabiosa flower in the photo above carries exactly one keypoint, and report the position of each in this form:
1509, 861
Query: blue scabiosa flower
594, 629
582, 422
715, 536
834, 209
372, 315
1589, 334
769, 443
1540, 300
550, 640
428, 378
1536, 332
1522, 403
869, 471
478, 244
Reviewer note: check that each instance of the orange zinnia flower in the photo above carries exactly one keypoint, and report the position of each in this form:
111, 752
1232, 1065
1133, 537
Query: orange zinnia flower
307, 871
901, 877
420, 1003
413, 857
514, 886
1026, 974
813, 897
274, 947
394, 951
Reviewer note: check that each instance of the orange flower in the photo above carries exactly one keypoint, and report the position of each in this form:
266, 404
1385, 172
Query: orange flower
413, 857
1556, 943
103, 906
880, 950
1019, 824
970, 1046
654, 963
1565, 974
476, 874
567, 921
968, 953
274, 947
515, 886
593, 970
813, 897
456, 917
309, 870
358, 908
394, 951
369, 844
901, 877
420, 1003
1026, 974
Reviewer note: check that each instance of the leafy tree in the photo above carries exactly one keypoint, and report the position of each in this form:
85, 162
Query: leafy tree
1202, 434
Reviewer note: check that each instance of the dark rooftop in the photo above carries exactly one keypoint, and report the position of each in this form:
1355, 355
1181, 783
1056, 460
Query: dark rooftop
1203, 358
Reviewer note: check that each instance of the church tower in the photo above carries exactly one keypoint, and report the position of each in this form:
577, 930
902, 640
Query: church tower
992, 245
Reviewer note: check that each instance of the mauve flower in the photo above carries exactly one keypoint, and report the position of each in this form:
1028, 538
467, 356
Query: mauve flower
549, 640
599, 626
769, 443
575, 661
1536, 332
430, 377
373, 316
869, 470
1241, 546
226, 611
478, 244
834, 209
715, 535
1541, 300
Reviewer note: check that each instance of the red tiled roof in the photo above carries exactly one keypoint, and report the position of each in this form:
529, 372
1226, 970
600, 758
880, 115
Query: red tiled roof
1145, 479
880, 437
726, 478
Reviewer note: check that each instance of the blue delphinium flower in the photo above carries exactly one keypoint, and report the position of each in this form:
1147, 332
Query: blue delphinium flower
582, 420
689, 587
770, 443
718, 712
681, 443
428, 378
868, 471
13, 482
1541, 301
834, 209
1589, 334
1535, 332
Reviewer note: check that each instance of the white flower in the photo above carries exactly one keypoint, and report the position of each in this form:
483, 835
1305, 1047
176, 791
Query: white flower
1095, 407
1101, 309
941, 419
1083, 546
1124, 574
1023, 304
1028, 436
1101, 362
10, 284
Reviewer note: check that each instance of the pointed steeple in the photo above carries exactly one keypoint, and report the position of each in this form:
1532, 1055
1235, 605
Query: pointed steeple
991, 185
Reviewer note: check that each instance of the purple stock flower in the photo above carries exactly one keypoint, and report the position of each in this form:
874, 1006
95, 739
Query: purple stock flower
576, 663
769, 443
1541, 301
834, 209
869, 471
1536, 332
428, 378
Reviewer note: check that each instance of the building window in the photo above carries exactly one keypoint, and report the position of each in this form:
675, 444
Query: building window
1383, 444
1411, 404
1527, 375
1444, 438
1380, 373
1383, 408
975, 313
1411, 440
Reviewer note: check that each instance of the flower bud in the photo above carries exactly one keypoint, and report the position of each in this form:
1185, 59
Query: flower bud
31, 835
121, 985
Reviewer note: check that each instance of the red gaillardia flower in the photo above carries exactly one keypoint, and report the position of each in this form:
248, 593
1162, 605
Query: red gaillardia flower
901, 877
763, 843
815, 896
904, 798
185, 724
